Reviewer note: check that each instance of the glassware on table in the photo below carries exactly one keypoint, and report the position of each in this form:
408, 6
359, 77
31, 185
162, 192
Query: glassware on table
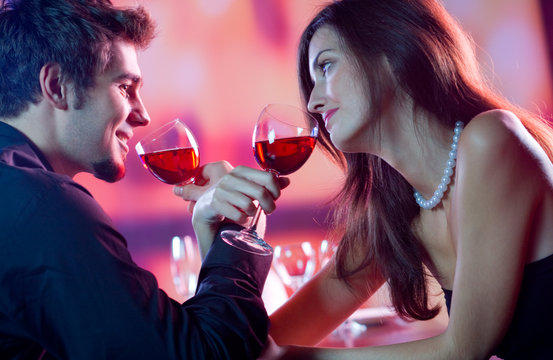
170, 153
348, 331
283, 139
294, 264
326, 251
185, 265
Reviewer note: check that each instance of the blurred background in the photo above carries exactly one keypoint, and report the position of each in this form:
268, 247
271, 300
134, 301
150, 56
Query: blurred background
216, 63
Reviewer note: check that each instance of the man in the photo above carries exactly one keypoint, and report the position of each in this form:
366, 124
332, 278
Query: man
69, 101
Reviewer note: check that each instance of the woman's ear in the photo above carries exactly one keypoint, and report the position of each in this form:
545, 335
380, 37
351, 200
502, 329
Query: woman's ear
54, 90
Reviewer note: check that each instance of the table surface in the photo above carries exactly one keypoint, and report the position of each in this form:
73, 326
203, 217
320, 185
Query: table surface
390, 330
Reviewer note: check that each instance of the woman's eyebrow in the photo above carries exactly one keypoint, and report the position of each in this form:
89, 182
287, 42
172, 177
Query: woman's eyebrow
316, 60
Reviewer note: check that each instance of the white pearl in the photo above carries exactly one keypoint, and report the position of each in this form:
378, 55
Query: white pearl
446, 178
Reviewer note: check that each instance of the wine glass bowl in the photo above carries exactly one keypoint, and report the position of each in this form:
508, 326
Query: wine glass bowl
185, 265
294, 264
325, 253
283, 139
170, 153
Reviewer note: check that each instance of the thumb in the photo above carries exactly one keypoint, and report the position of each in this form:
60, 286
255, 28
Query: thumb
188, 192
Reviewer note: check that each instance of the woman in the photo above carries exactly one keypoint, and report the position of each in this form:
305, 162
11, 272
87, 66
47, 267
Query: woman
396, 85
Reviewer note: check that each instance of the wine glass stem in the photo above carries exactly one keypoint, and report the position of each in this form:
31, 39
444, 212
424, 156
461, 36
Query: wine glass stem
255, 219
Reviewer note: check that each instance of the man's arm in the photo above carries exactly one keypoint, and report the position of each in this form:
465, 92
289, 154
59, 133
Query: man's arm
72, 287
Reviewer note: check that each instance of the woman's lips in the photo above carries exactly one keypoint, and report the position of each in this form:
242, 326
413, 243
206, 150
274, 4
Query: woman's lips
327, 115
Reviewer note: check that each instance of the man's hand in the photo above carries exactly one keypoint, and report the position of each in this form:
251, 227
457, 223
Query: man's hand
228, 194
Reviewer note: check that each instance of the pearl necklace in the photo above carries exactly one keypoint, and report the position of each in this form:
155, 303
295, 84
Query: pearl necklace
446, 178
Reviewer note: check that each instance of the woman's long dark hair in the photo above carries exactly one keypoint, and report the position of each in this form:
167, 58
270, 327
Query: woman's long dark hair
434, 63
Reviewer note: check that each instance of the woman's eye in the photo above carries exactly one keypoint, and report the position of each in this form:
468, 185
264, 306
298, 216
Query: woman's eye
324, 67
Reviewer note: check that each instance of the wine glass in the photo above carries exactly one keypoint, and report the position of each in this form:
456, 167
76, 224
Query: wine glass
185, 265
294, 264
170, 153
326, 251
283, 139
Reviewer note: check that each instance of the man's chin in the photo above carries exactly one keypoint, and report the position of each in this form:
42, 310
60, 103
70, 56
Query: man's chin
109, 171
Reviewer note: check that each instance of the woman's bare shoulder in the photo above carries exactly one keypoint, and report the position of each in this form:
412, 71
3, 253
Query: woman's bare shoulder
497, 140
495, 133
493, 127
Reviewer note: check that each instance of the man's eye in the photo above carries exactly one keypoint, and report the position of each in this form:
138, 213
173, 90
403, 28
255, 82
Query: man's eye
125, 89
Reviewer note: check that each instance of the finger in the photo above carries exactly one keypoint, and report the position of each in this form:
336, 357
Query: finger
212, 172
245, 196
206, 176
260, 177
229, 211
189, 192
191, 206
283, 182
236, 199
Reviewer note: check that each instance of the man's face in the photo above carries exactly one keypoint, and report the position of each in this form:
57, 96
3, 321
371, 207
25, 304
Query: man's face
95, 135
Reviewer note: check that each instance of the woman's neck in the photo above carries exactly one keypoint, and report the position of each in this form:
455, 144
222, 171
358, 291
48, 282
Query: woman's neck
417, 145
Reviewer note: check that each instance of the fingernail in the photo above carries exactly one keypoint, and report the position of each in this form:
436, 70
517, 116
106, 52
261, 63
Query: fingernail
177, 190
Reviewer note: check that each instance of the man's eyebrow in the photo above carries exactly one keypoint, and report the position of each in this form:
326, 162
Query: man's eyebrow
136, 79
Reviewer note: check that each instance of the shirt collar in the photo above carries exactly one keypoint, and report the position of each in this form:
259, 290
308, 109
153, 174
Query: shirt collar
18, 150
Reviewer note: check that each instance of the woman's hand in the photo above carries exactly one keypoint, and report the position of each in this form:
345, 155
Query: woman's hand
227, 194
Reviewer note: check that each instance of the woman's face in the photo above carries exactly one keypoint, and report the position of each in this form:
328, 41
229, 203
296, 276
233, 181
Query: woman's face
338, 94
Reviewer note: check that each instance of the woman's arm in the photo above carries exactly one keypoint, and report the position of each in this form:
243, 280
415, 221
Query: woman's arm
498, 187
321, 305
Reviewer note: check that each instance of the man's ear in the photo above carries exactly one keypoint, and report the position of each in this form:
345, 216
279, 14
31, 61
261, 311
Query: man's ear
54, 90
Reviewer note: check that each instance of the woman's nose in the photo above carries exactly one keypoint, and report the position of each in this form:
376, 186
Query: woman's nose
316, 101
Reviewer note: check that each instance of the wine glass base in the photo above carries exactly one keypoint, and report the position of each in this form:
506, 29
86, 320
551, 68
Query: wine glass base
247, 241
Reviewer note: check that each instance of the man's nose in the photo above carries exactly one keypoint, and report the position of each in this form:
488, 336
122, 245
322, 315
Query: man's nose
139, 115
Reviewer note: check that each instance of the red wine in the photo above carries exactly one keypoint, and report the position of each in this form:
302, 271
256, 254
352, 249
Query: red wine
173, 166
298, 267
284, 155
